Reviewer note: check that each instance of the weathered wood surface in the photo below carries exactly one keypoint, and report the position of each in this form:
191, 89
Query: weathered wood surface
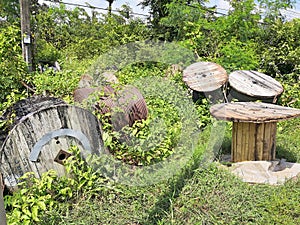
205, 76
255, 84
2, 208
254, 112
35, 127
253, 141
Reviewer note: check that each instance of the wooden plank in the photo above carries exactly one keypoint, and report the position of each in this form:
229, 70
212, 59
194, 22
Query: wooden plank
239, 147
254, 112
234, 142
246, 149
205, 76
256, 84
251, 140
273, 137
259, 141
267, 142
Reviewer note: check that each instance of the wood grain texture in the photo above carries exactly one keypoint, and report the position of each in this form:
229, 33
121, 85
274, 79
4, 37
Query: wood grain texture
256, 84
253, 142
254, 112
18, 145
205, 76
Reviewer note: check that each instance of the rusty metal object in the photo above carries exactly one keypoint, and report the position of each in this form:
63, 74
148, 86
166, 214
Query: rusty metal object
205, 76
126, 107
62, 156
83, 93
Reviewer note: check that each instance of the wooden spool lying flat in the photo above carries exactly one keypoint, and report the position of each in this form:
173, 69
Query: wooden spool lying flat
48, 131
250, 85
205, 76
254, 128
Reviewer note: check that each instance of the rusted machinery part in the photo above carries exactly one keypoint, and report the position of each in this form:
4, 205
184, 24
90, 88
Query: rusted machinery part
81, 94
126, 106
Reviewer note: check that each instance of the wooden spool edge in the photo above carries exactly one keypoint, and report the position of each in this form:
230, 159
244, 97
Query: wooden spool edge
38, 111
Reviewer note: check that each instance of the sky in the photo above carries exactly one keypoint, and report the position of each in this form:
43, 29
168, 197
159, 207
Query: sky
222, 6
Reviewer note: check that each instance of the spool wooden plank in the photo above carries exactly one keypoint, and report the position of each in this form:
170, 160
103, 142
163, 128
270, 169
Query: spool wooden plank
259, 136
47, 132
205, 76
251, 139
254, 84
234, 141
267, 142
239, 141
245, 133
255, 112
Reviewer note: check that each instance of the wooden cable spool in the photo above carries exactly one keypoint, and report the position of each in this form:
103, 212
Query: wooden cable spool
254, 128
249, 85
40, 141
205, 79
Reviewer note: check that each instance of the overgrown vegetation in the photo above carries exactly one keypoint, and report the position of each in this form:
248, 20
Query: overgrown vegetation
201, 193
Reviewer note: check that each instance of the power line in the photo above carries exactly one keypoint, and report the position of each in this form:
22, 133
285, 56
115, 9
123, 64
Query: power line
94, 7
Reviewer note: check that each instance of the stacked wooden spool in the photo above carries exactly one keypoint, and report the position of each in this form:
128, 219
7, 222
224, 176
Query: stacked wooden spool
253, 137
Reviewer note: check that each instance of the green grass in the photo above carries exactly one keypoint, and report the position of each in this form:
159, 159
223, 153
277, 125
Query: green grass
199, 195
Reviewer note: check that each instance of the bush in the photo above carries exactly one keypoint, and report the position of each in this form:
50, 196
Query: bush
12, 67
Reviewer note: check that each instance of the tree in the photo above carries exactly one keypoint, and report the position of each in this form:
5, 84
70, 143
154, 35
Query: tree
10, 10
12, 66
158, 9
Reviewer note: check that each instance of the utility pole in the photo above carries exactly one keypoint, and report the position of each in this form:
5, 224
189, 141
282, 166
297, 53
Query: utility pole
25, 31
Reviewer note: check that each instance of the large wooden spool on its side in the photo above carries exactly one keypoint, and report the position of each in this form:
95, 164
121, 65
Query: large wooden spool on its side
40, 141
126, 105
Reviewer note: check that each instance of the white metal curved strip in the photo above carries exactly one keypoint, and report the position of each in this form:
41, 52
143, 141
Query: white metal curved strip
34, 154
